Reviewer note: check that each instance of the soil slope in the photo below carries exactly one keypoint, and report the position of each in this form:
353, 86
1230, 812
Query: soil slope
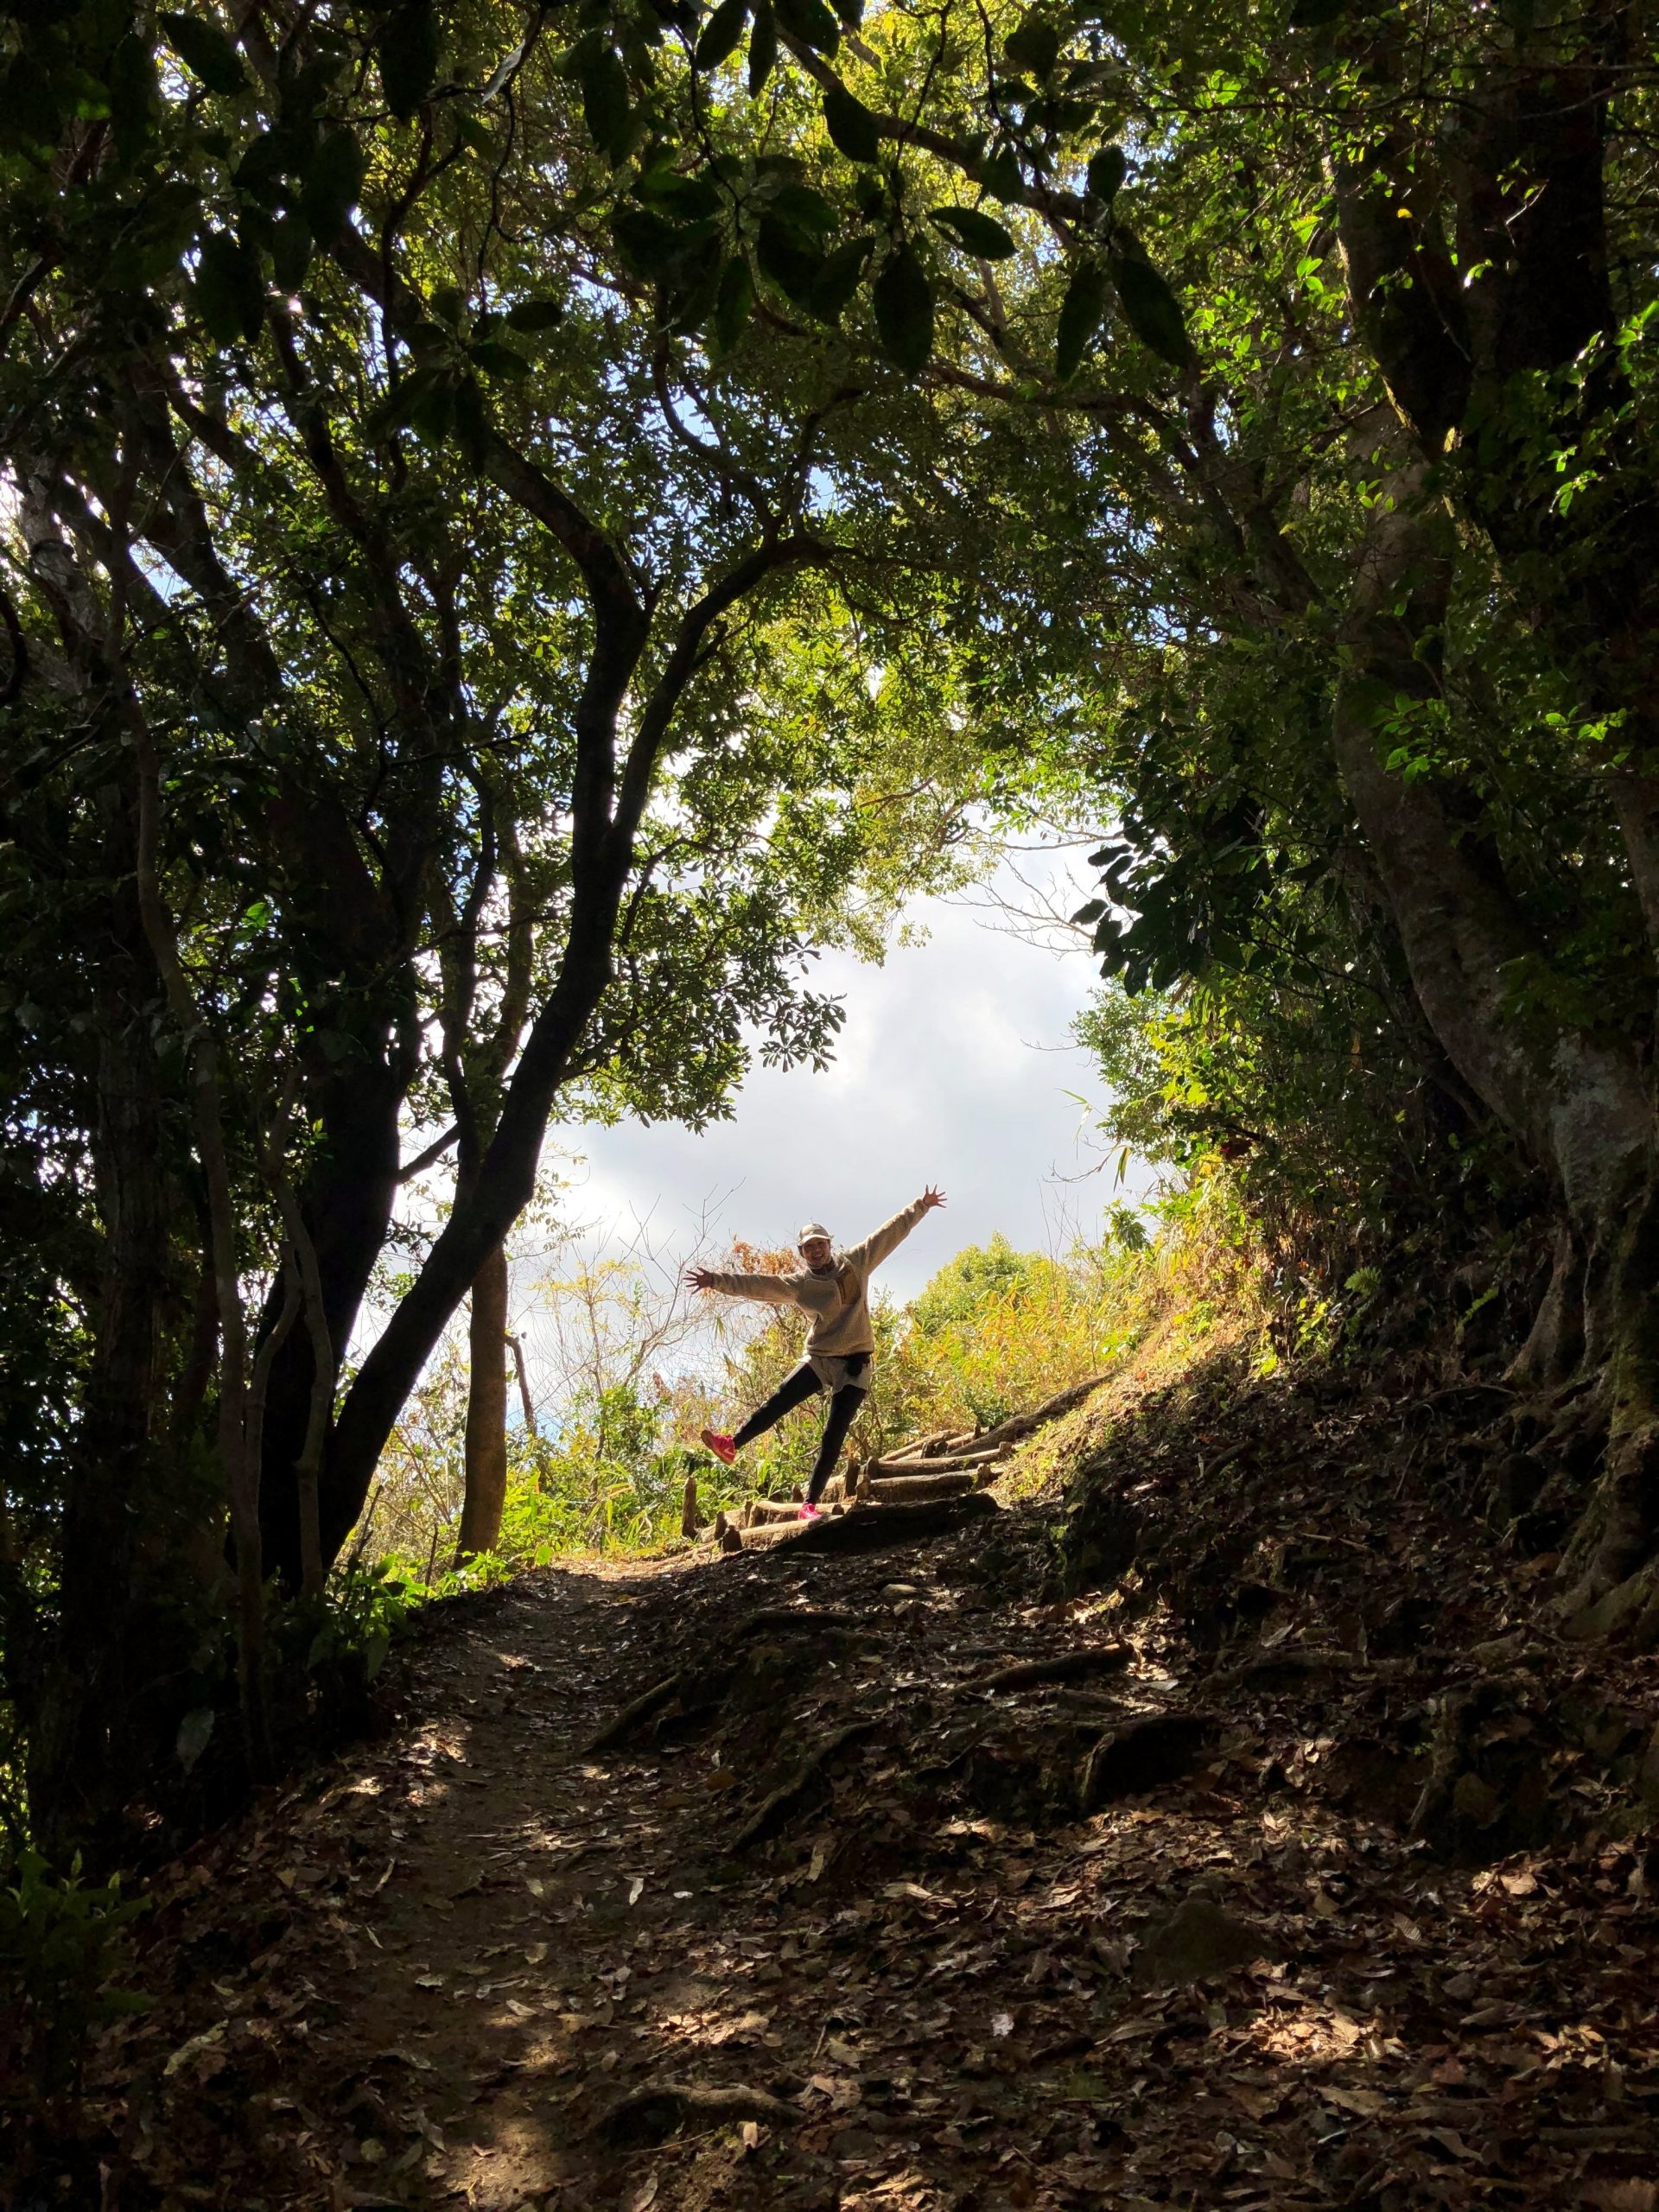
1287, 1861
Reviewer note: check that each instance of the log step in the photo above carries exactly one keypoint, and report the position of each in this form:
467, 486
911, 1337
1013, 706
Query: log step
954, 1465
867, 1528
918, 1489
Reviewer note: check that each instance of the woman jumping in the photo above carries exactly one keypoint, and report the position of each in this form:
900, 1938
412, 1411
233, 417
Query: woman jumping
833, 1287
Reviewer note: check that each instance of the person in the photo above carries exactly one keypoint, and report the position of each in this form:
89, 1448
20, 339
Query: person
834, 1288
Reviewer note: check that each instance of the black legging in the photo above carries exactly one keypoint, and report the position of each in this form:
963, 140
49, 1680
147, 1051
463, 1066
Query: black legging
794, 1391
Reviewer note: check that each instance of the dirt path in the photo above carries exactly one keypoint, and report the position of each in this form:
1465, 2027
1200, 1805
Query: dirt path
477, 1965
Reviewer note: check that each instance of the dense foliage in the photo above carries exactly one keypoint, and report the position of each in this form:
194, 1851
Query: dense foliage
520, 525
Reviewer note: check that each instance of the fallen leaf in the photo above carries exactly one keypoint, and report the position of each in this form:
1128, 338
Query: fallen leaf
208, 2041
1001, 2024
1255, 2104
1367, 2103
644, 2195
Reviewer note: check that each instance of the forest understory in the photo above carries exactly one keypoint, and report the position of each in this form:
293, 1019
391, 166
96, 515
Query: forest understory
1225, 1824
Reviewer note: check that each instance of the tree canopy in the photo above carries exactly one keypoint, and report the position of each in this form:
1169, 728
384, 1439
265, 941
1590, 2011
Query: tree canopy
522, 523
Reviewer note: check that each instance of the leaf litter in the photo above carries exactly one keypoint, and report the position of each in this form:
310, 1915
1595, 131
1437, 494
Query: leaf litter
1290, 1955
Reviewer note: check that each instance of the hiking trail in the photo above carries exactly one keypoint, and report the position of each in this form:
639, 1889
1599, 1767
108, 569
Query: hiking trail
910, 1884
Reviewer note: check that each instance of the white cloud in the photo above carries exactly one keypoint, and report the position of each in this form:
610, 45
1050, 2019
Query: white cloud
953, 1067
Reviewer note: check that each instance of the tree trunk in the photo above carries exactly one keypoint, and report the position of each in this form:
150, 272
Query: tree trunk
1576, 1099
486, 1411
347, 1207
506, 1182
90, 1734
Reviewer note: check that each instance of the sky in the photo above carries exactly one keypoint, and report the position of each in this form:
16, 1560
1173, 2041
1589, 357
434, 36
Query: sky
955, 1066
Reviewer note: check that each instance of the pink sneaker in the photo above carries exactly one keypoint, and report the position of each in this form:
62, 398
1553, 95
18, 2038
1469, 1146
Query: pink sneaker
810, 1513
721, 1446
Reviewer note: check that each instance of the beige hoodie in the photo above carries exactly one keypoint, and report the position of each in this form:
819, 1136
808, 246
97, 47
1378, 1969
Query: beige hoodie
839, 1301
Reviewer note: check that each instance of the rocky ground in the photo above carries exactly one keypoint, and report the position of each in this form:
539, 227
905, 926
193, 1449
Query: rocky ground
1235, 1833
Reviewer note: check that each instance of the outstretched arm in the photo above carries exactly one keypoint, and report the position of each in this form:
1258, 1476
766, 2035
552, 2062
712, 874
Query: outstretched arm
876, 1247
771, 1290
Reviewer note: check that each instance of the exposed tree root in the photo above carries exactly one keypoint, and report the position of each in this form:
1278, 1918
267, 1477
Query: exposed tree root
1065, 1667
1142, 1754
775, 1811
804, 1619
653, 2115
643, 1705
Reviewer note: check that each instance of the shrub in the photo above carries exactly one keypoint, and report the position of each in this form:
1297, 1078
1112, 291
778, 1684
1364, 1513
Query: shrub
62, 1943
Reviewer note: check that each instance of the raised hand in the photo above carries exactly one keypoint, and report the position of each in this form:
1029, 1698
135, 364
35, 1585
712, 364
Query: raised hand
931, 1197
700, 1278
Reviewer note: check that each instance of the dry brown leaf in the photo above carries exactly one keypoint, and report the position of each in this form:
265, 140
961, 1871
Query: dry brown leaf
1367, 2103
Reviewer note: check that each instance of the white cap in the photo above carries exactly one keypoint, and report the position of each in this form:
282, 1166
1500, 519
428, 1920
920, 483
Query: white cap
813, 1229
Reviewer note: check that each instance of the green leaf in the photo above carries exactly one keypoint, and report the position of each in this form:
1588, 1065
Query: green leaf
1107, 171
734, 303
229, 291
839, 278
853, 129
972, 228
651, 245
805, 214
903, 300
763, 49
688, 298
398, 408
792, 268
407, 51
1151, 309
1000, 175
1035, 47
721, 33
134, 96
531, 316
195, 1731
266, 160
687, 199
205, 51
497, 359
605, 102
810, 22
1080, 313
333, 183
290, 250
472, 132
432, 415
